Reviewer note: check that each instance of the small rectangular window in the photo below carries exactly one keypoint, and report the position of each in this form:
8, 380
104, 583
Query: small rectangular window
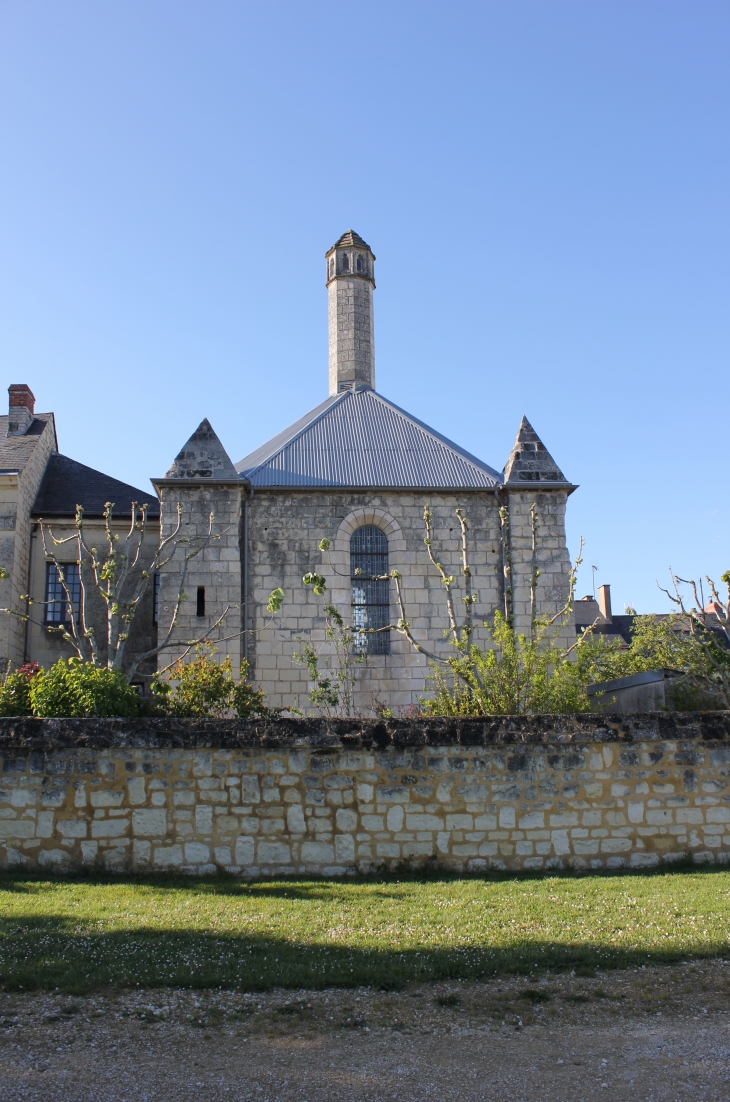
200, 611
57, 610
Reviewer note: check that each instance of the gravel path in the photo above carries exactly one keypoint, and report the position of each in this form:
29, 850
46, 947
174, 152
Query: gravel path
654, 1033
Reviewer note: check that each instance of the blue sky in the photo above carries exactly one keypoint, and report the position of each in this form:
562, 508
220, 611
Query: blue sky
544, 184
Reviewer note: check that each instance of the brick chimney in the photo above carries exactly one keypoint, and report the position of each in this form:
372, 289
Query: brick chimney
20, 412
604, 600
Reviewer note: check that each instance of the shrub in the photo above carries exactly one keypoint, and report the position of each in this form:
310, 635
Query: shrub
519, 675
72, 688
15, 691
204, 687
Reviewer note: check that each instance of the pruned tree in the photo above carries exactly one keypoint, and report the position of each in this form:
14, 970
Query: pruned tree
333, 675
511, 672
117, 570
707, 617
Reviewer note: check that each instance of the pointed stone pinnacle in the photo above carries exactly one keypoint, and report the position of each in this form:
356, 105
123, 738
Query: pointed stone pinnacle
202, 457
529, 460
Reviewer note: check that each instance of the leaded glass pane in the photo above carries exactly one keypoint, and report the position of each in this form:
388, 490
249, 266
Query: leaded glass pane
56, 603
370, 590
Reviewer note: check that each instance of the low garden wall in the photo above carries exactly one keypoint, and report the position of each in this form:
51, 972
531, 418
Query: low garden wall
334, 797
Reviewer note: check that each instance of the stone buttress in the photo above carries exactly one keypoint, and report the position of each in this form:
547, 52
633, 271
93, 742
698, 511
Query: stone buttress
203, 483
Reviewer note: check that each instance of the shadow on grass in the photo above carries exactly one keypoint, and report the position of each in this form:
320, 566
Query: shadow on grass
53, 951
45, 955
326, 888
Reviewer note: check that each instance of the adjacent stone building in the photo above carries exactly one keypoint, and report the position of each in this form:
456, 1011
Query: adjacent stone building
356, 471
38, 483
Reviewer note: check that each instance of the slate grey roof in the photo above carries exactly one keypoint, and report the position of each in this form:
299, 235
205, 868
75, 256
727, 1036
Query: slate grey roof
202, 457
360, 439
67, 484
529, 460
15, 451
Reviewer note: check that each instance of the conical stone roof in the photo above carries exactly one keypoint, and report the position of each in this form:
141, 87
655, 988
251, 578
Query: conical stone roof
529, 460
202, 457
350, 239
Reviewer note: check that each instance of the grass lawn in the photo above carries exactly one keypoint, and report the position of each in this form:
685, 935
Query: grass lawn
84, 934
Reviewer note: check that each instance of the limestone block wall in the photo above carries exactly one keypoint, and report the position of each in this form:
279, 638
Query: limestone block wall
11, 633
351, 341
285, 529
17, 495
301, 797
284, 534
552, 558
217, 567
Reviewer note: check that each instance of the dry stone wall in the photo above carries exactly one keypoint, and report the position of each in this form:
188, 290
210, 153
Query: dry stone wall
332, 798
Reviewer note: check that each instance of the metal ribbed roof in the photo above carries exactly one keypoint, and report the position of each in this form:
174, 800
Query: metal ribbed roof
360, 439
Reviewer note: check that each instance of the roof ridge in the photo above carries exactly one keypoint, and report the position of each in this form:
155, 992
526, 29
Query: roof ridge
327, 406
361, 435
477, 463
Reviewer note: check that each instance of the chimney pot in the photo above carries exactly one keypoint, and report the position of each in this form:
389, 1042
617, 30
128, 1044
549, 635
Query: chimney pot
21, 406
604, 600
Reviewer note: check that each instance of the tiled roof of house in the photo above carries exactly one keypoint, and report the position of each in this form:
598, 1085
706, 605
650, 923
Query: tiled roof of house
67, 484
15, 451
359, 439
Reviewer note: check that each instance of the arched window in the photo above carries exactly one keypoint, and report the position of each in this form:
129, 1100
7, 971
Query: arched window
345, 263
332, 267
370, 591
359, 263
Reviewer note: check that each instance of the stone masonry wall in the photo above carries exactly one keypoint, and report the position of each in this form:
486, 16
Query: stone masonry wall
351, 342
302, 797
553, 559
284, 534
17, 495
217, 567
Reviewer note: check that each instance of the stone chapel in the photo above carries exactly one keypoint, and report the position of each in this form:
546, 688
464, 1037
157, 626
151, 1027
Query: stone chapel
358, 471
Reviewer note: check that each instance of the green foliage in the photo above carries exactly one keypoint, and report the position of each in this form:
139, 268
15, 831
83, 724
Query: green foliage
72, 688
670, 643
319, 583
518, 675
79, 689
15, 691
514, 676
332, 674
276, 600
204, 687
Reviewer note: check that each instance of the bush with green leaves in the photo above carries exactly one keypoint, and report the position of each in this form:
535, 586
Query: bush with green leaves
518, 675
15, 691
696, 655
72, 688
204, 687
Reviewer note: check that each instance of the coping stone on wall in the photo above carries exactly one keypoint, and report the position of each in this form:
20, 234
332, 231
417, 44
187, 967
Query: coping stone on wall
47, 734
